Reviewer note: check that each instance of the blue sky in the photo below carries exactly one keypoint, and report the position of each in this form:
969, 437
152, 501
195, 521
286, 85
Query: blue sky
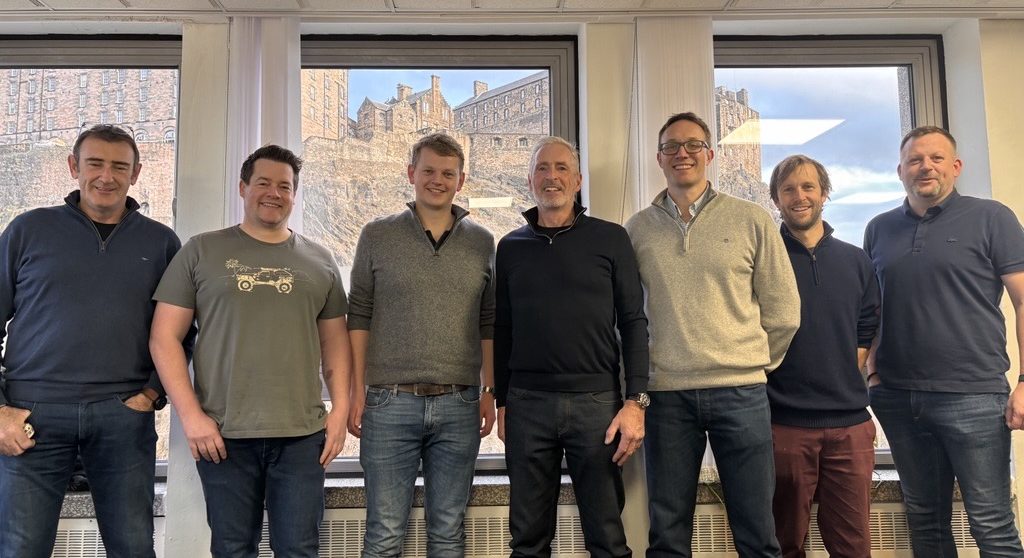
860, 154
457, 85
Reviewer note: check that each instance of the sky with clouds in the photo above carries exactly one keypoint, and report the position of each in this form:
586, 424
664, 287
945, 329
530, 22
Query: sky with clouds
860, 153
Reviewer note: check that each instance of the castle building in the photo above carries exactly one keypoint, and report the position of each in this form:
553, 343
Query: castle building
518, 107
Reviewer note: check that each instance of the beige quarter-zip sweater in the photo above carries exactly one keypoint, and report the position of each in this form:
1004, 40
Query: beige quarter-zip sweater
721, 298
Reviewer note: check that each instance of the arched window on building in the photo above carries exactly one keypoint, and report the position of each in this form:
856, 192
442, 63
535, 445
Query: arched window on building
506, 114
523, 142
140, 135
169, 135
496, 142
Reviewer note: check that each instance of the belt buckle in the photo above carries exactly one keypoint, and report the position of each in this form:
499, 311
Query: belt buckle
421, 390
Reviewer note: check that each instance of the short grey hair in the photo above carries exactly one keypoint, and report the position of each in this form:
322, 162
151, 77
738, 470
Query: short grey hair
554, 140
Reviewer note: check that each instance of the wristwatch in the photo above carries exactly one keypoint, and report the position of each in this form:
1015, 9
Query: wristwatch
641, 398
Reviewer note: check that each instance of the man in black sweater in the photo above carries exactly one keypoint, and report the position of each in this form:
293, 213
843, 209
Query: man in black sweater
565, 283
822, 430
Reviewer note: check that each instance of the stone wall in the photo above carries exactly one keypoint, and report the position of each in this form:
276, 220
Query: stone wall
38, 175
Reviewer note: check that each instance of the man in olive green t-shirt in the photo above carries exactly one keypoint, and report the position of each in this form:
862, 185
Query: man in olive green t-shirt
270, 306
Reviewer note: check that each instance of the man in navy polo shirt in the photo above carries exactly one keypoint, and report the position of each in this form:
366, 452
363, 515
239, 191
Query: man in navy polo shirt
938, 383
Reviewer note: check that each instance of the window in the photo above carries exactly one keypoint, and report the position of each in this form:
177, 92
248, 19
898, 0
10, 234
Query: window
30, 125
143, 114
119, 116
770, 102
31, 106
12, 108
51, 83
104, 97
337, 204
120, 96
523, 142
31, 87
104, 117
121, 75
12, 128
143, 76
13, 72
81, 100
49, 123
13, 88
144, 94
83, 79
169, 135
506, 114
522, 108
536, 103
140, 136
106, 77
51, 104
81, 121
506, 99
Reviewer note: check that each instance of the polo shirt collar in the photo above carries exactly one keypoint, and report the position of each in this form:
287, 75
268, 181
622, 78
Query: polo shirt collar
935, 209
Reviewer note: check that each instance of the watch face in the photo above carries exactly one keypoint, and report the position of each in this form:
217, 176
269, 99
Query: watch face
642, 399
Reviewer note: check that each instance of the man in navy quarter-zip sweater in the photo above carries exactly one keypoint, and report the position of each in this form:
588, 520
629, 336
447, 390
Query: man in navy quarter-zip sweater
823, 433
75, 283
566, 282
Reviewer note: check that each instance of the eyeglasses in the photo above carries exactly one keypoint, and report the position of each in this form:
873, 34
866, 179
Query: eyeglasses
692, 147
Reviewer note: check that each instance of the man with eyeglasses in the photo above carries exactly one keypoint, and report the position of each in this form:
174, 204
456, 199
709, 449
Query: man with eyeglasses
938, 377
75, 285
723, 306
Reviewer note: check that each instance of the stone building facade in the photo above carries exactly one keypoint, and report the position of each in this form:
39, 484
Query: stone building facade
522, 106
739, 159
325, 103
405, 112
55, 104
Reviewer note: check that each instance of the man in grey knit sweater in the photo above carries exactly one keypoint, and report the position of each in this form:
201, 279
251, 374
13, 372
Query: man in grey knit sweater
421, 321
723, 306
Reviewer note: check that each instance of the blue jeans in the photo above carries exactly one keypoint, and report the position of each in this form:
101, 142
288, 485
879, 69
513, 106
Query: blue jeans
118, 449
539, 427
935, 437
399, 430
283, 472
737, 421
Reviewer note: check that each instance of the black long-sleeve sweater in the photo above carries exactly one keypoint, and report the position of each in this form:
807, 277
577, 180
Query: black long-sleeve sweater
561, 294
818, 384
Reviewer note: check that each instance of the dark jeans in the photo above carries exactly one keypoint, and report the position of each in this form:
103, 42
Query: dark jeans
837, 464
935, 437
118, 449
679, 424
283, 472
541, 426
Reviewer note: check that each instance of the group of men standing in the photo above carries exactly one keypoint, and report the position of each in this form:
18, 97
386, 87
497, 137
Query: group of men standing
698, 322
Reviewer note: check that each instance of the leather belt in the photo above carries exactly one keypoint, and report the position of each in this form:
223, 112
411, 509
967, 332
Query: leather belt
424, 390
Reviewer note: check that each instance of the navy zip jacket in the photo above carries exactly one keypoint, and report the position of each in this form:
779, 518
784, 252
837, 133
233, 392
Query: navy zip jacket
561, 294
79, 306
818, 384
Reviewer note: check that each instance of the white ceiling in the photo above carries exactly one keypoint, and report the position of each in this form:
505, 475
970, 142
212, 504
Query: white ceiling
379, 9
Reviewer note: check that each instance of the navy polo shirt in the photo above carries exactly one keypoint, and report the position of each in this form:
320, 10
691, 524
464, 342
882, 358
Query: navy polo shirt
942, 329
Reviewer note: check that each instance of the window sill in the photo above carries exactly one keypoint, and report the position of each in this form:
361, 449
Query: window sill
488, 490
